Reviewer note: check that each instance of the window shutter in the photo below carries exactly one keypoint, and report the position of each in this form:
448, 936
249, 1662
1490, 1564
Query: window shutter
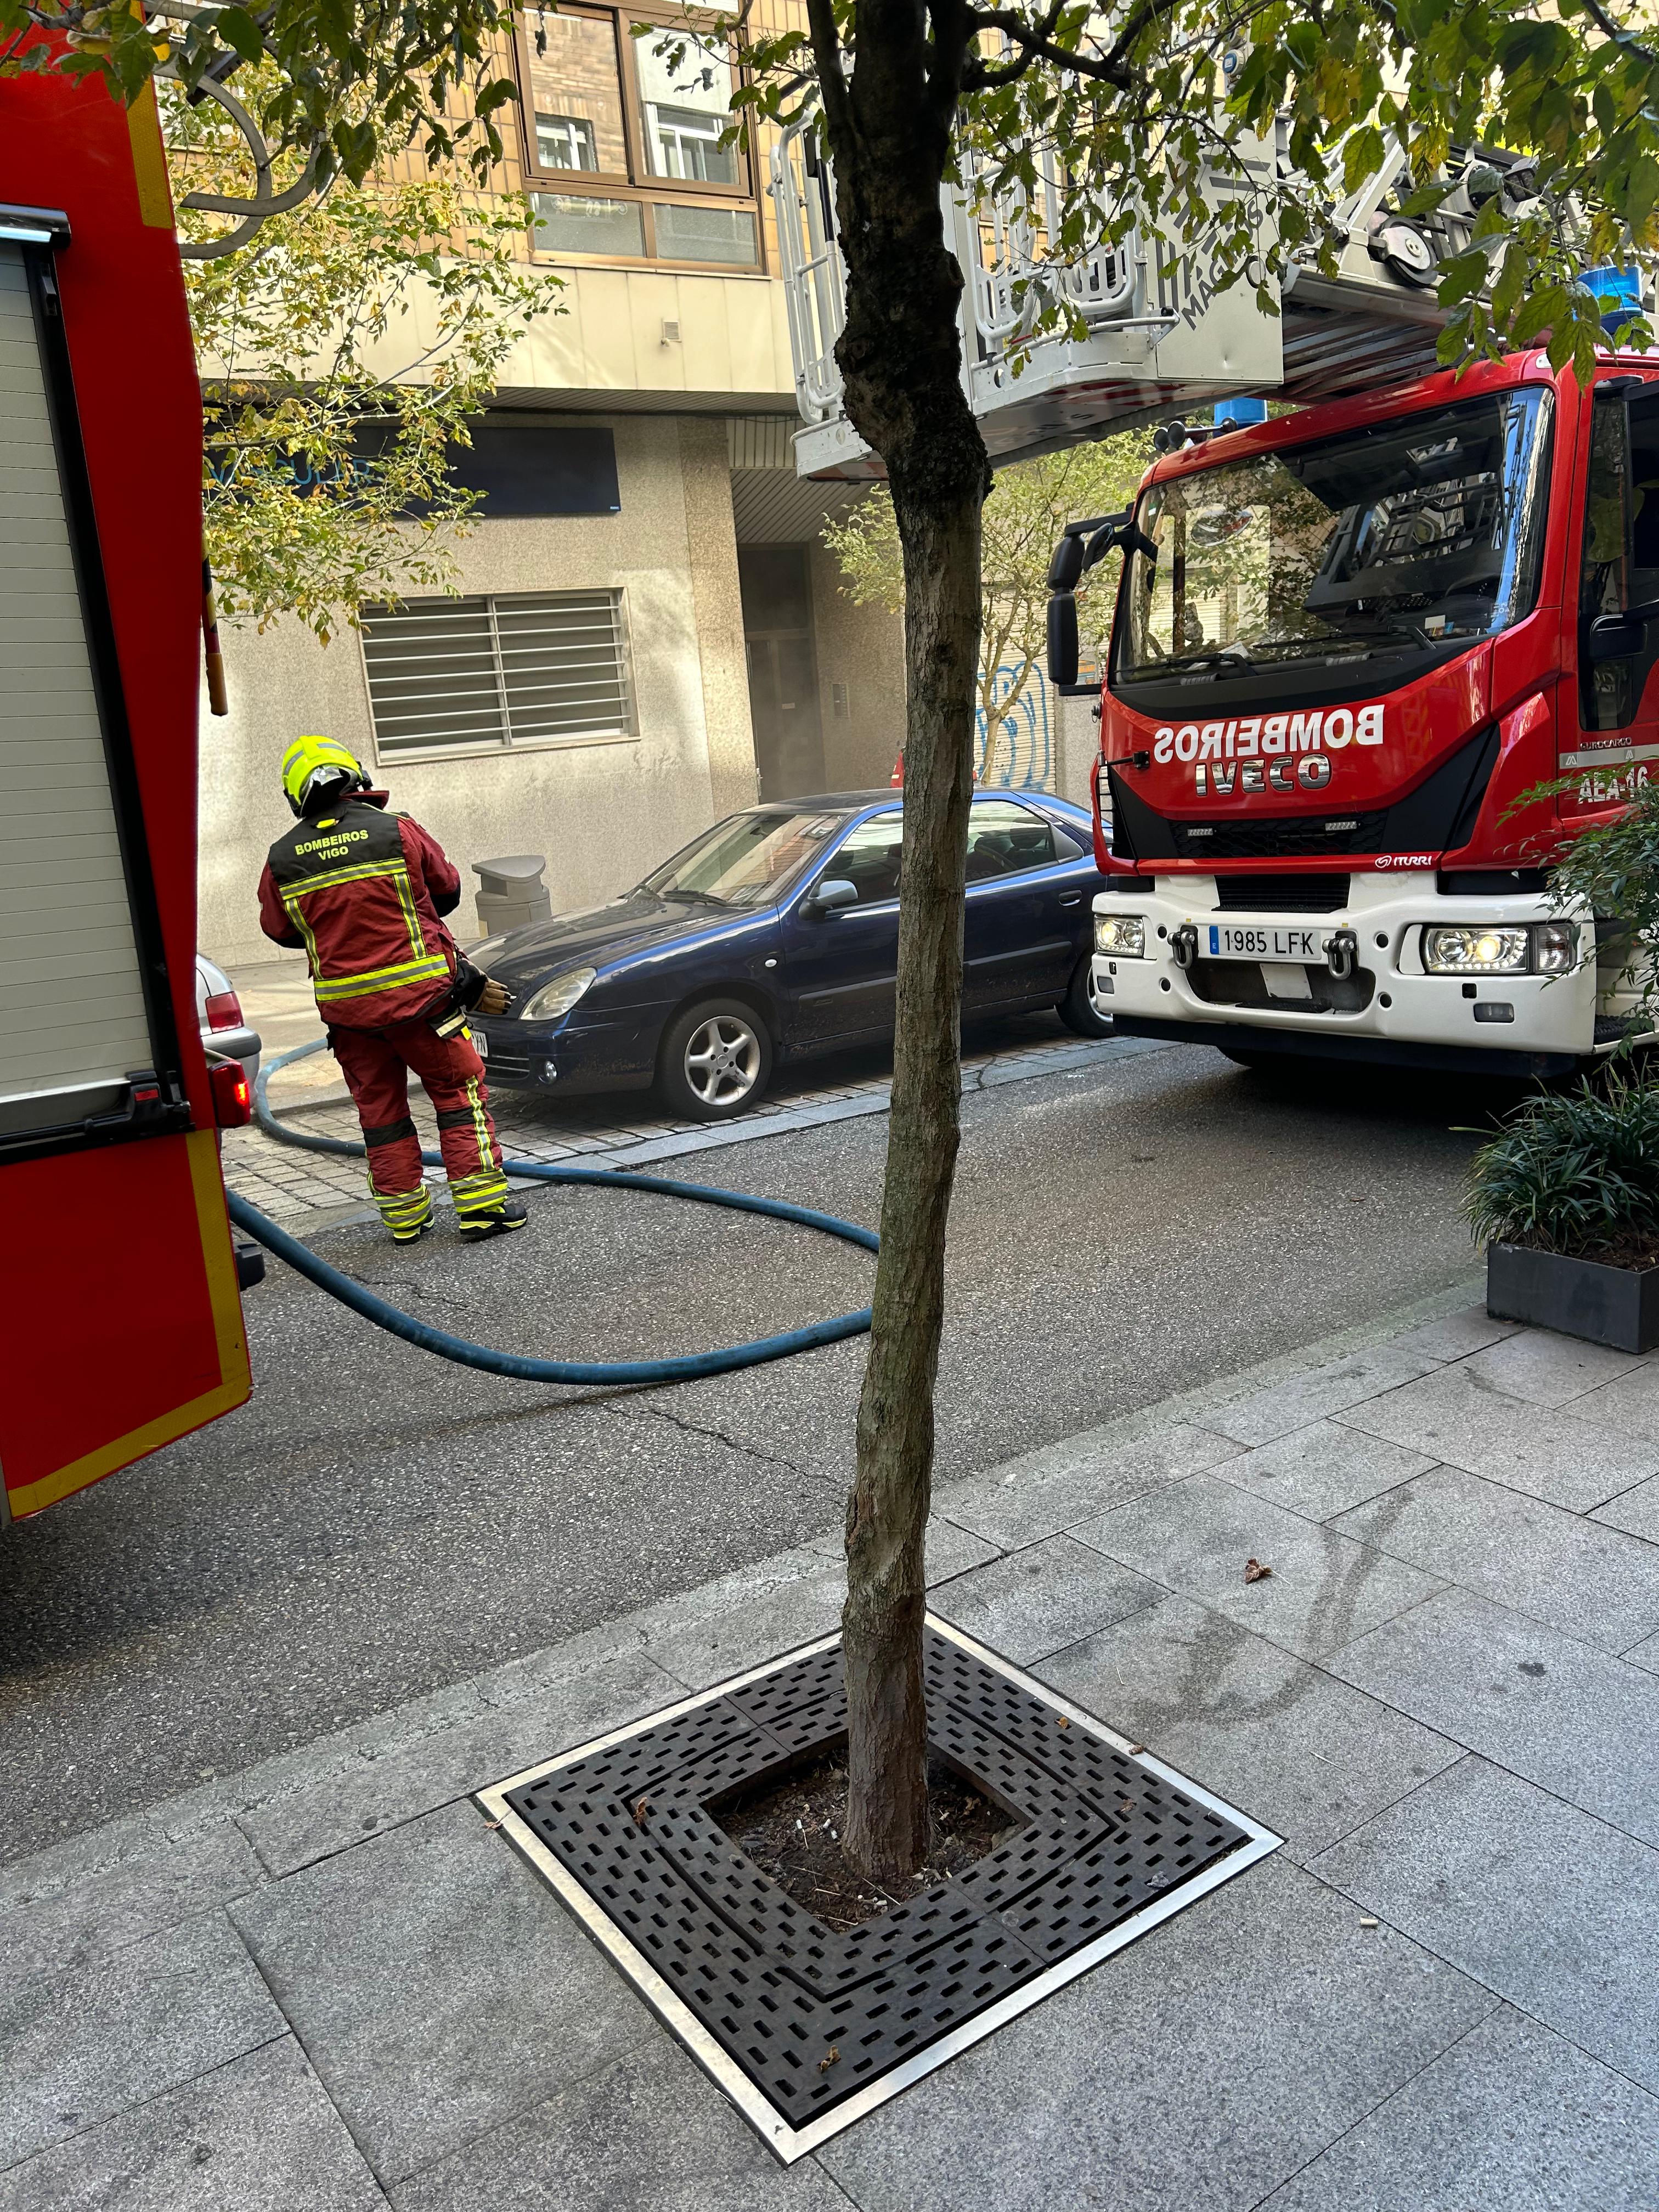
536, 669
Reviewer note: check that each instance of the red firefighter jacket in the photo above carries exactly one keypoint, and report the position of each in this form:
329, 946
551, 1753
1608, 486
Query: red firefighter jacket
362, 891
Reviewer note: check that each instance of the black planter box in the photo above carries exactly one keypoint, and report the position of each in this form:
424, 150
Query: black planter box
1615, 1306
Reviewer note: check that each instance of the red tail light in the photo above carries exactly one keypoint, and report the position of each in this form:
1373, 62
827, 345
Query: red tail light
233, 1100
223, 1010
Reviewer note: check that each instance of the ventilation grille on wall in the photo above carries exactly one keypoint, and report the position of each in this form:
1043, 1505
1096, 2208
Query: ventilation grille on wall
536, 669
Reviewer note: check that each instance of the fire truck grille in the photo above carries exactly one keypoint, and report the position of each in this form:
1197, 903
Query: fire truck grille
1280, 837
1241, 983
1282, 894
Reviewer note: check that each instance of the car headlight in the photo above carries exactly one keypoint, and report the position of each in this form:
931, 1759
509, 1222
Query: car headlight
1122, 935
557, 997
1541, 948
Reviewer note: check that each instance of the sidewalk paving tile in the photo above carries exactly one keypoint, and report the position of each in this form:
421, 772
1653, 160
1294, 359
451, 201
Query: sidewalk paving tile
380, 1790
47, 1928
1043, 1491
1455, 1335
1552, 1453
1294, 1400
1198, 2068
1033, 1602
1548, 1369
1558, 1712
1630, 1404
1593, 1582
1512, 2119
747, 1617
1550, 1908
1636, 1511
1196, 1536
1324, 1469
1311, 1756
257, 2135
648, 2134
435, 1986
1645, 1654
80, 2046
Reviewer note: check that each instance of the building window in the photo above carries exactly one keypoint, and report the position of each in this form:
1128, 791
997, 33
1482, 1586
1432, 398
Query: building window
474, 675
643, 131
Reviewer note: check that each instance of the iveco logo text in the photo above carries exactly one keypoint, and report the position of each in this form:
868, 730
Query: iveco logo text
1253, 753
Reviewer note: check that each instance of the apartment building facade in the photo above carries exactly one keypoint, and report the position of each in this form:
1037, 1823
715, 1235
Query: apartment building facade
648, 630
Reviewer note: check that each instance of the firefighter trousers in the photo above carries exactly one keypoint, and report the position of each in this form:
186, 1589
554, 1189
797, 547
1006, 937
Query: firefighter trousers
377, 1064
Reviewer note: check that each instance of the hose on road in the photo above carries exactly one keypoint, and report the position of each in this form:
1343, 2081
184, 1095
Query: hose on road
516, 1366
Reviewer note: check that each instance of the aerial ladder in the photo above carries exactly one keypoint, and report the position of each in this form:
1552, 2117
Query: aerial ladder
1159, 336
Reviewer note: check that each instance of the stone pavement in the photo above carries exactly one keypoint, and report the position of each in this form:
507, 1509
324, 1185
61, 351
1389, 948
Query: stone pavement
311, 1191
324, 1985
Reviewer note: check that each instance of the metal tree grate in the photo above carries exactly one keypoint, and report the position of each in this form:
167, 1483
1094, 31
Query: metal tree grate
807, 2028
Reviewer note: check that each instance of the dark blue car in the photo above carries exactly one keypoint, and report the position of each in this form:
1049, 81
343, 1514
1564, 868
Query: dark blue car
775, 936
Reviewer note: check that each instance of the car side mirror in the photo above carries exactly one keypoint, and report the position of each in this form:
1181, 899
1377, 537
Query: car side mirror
832, 894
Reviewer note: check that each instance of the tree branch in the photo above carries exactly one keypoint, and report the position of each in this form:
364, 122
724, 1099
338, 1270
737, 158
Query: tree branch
1615, 32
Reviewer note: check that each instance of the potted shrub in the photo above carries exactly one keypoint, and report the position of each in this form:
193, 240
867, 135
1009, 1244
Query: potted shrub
1566, 1199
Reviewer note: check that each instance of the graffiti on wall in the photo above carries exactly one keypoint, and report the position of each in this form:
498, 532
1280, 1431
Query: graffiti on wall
1024, 754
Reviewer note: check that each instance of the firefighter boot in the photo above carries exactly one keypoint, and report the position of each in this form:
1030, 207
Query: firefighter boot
496, 1221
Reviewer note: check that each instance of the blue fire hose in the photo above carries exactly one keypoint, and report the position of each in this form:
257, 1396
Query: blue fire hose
385, 1316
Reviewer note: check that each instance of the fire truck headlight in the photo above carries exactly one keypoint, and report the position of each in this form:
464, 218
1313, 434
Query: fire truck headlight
1554, 947
1474, 949
557, 997
1123, 936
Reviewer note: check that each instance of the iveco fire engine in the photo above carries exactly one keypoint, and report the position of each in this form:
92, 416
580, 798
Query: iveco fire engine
1345, 644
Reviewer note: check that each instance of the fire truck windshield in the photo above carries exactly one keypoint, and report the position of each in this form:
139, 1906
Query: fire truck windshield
1420, 535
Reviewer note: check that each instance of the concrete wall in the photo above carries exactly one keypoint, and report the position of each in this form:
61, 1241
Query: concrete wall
862, 647
603, 813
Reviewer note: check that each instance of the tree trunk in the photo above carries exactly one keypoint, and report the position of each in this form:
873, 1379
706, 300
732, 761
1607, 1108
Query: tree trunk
900, 355
887, 1517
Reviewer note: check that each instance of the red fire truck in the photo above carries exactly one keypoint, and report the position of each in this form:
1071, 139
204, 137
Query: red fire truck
1344, 643
123, 1325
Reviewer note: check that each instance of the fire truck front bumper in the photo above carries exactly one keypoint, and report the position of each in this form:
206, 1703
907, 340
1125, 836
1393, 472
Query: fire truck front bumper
1399, 973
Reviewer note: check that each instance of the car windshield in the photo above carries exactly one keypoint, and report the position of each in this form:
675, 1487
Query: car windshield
1425, 531
746, 860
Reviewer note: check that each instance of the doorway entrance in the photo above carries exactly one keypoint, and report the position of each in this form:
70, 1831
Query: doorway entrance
783, 674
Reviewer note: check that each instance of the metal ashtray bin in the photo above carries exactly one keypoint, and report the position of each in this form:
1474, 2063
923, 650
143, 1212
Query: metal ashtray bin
511, 893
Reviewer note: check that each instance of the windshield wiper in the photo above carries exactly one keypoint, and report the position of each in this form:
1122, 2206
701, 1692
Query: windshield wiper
1220, 656
702, 898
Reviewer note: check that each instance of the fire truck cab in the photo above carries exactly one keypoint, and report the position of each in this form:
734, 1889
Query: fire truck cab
1345, 644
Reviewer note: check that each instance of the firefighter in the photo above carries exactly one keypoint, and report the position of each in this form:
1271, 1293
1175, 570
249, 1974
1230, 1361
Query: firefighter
362, 890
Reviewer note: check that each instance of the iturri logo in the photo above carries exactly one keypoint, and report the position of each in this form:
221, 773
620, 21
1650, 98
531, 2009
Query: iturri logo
1268, 753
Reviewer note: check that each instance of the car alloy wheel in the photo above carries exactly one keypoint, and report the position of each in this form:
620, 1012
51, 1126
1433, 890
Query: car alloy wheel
722, 1061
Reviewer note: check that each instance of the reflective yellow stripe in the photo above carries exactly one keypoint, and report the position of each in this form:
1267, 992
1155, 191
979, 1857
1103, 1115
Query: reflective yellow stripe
364, 869
488, 1155
424, 965
381, 979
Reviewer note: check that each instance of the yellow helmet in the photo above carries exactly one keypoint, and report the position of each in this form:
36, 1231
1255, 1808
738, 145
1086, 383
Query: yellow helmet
306, 759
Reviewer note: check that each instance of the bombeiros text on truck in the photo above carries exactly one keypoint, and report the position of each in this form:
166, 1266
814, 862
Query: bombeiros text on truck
1345, 644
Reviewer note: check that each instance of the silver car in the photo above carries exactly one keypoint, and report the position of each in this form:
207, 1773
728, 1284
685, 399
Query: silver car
225, 1032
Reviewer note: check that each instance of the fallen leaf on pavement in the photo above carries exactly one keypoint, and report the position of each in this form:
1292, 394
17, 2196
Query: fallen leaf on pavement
831, 2058
1063, 1722
1255, 1572
639, 1811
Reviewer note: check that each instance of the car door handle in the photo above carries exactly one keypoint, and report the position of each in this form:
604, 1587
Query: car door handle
1071, 899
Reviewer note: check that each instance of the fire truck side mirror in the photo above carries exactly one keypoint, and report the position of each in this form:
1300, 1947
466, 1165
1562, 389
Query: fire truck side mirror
1065, 569
1062, 639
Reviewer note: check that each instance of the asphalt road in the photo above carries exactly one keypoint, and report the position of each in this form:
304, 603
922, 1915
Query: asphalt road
376, 1524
